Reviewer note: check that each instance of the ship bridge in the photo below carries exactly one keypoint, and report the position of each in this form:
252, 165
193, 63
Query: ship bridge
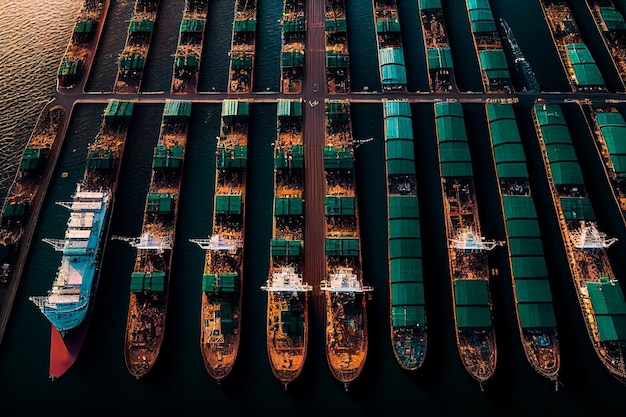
468, 240
589, 237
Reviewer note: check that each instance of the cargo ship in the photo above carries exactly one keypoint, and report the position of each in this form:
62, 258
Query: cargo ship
494, 69
391, 64
189, 49
580, 68
25, 187
81, 45
527, 264
292, 51
610, 135
242, 47
222, 278
406, 272
69, 303
438, 55
131, 62
467, 248
337, 53
287, 293
345, 294
599, 294
612, 27
150, 279
523, 69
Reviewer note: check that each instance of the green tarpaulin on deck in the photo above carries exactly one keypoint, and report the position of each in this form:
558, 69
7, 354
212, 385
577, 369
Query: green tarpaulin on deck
408, 316
287, 107
295, 159
585, 69
234, 108
131, 62
70, 67
493, 61
392, 66
439, 58
14, 210
522, 227
293, 25
519, 207
335, 158
292, 59
529, 267
383, 26
399, 127
232, 158
608, 303
347, 246
337, 60
192, 25
239, 60
509, 152
397, 108
161, 203
339, 206
407, 248
228, 204
177, 108
248, 25
407, 293
84, 27
566, 173
471, 292
147, 281
403, 207
533, 290
335, 25
430, 4
536, 315
168, 156
136, 26
526, 246
473, 316
186, 61
33, 159
406, 270
397, 149
404, 229
613, 130
481, 17
96, 160
282, 247
118, 108
577, 209
612, 18
288, 206
219, 282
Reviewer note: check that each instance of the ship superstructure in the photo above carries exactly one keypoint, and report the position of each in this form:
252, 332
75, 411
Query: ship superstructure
150, 279
438, 54
406, 272
292, 52
524, 71
392, 66
488, 44
579, 65
242, 47
612, 27
81, 45
531, 286
599, 294
344, 292
467, 248
287, 292
69, 302
189, 50
132, 60
337, 53
222, 278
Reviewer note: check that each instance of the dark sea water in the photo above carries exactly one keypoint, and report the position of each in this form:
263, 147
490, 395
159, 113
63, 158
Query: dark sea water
99, 383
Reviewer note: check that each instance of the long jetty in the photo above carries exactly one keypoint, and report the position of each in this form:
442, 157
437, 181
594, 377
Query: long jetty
313, 93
